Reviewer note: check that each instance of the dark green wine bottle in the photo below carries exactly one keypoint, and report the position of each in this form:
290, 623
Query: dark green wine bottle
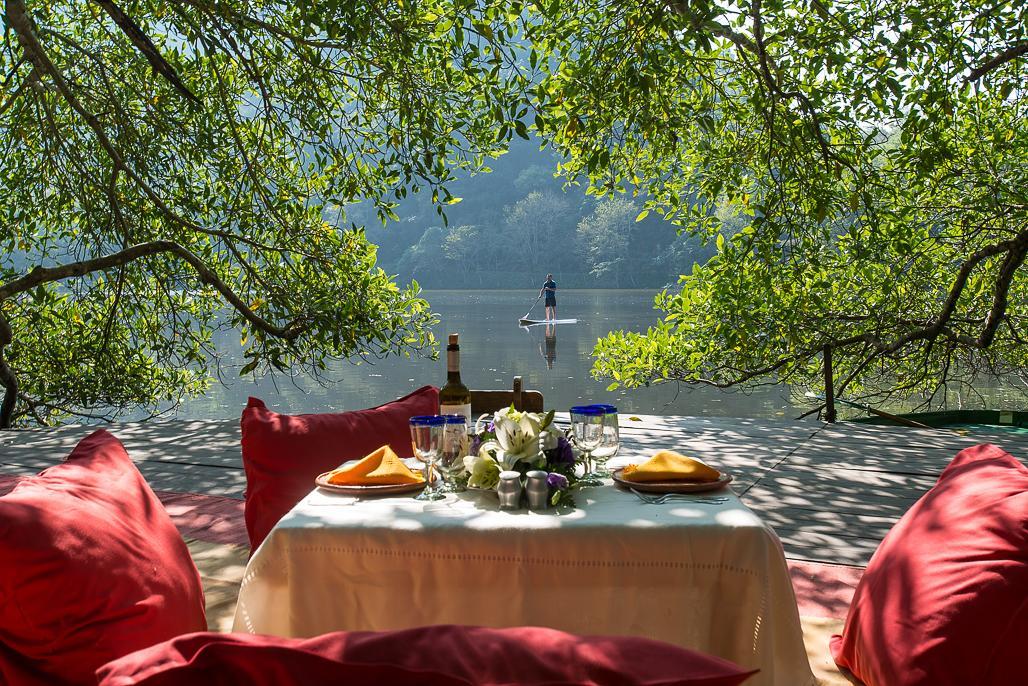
454, 396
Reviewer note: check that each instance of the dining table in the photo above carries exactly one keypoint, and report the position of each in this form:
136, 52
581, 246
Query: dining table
699, 572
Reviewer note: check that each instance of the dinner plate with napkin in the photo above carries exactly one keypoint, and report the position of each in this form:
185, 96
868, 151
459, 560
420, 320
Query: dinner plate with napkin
671, 472
382, 472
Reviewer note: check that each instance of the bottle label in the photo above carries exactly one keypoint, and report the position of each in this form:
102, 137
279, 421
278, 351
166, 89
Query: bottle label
453, 360
464, 409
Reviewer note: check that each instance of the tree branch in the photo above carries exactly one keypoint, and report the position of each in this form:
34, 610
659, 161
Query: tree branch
41, 275
1011, 53
14, 96
33, 409
143, 43
22, 25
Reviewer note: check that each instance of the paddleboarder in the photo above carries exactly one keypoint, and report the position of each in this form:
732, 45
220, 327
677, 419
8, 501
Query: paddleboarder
549, 289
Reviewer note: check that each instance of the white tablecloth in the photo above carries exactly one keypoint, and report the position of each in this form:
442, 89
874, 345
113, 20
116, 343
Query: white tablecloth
708, 577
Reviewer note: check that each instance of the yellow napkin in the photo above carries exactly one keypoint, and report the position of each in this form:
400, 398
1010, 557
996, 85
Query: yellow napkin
380, 468
668, 465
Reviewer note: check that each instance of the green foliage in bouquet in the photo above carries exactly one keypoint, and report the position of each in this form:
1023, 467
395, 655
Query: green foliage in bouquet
521, 441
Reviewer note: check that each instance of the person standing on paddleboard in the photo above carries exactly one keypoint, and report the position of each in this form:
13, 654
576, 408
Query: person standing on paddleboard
550, 289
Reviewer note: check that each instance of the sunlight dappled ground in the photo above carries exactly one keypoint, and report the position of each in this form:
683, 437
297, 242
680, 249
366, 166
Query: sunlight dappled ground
830, 492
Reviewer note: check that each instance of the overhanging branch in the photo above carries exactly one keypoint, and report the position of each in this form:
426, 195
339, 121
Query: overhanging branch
29, 41
145, 46
41, 275
1011, 53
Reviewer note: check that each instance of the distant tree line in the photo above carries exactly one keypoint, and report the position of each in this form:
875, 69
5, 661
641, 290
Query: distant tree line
518, 222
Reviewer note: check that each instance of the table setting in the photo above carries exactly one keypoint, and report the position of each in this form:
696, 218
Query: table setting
527, 519
525, 459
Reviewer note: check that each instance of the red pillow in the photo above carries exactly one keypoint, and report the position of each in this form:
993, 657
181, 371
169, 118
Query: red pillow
944, 600
92, 568
282, 454
426, 656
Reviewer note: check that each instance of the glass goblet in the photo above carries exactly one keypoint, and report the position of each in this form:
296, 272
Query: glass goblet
454, 448
610, 443
426, 433
587, 432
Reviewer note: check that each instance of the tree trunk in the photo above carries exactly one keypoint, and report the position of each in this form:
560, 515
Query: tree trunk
10, 384
829, 386
7, 377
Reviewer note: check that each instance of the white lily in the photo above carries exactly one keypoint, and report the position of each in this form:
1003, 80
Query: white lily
548, 438
483, 469
517, 436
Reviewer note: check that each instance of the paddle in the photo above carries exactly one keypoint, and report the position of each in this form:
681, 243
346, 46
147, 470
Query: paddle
532, 307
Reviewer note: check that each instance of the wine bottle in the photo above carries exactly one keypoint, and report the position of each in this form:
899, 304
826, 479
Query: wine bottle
454, 397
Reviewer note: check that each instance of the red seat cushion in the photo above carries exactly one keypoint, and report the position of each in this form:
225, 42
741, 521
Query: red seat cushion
282, 454
92, 569
426, 656
944, 600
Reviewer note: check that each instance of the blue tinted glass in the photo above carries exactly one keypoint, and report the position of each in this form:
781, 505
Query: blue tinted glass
428, 420
587, 410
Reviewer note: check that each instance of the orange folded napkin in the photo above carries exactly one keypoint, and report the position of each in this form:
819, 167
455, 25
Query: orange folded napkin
668, 465
380, 468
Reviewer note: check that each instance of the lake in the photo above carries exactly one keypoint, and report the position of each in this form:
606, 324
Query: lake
493, 350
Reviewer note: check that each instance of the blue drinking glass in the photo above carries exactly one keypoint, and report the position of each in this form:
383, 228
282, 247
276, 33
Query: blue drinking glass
454, 449
426, 433
610, 442
587, 435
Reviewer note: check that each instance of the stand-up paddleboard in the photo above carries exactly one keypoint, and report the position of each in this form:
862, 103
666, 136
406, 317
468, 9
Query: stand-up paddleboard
535, 322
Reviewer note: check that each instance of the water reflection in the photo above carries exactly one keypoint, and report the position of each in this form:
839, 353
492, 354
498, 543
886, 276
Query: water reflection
547, 345
550, 343
493, 351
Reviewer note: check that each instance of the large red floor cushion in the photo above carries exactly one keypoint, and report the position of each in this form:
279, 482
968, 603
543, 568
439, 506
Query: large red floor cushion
91, 568
425, 656
282, 454
944, 600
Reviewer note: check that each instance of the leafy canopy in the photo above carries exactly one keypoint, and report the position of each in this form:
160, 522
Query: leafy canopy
860, 166
172, 168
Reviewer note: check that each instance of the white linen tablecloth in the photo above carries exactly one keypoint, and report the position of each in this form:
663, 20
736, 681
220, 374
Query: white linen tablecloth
708, 577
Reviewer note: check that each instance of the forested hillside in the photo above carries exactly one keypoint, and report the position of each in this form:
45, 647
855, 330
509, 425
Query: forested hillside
517, 223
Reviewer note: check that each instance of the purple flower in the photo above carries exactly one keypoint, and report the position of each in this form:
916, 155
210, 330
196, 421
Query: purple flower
476, 443
490, 427
563, 454
557, 481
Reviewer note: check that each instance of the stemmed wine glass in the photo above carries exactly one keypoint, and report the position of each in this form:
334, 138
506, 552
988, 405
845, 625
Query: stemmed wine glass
455, 447
587, 429
610, 442
426, 433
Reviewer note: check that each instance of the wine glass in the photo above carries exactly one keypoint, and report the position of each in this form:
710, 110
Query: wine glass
587, 429
455, 447
426, 433
610, 443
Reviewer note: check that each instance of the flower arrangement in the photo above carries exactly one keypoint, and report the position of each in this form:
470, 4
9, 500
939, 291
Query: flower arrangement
521, 441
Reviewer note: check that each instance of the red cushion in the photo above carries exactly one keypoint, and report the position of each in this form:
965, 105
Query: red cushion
944, 600
426, 656
282, 454
92, 568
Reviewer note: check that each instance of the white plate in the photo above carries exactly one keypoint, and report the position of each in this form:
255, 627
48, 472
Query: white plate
677, 486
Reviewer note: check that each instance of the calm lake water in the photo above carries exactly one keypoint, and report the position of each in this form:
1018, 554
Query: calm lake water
493, 350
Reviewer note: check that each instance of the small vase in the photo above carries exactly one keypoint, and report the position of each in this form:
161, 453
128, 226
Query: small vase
509, 490
538, 490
